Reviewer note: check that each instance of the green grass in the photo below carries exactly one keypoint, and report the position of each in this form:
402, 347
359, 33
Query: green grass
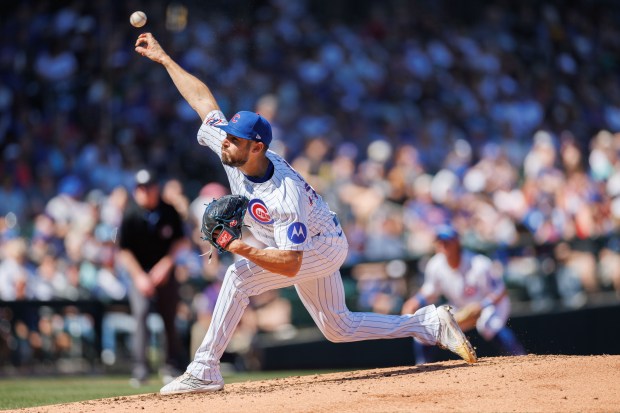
21, 392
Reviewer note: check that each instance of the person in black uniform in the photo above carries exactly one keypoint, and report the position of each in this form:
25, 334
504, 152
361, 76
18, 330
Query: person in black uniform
150, 234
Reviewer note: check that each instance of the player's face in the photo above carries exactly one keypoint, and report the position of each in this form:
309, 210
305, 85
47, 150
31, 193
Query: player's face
448, 247
235, 151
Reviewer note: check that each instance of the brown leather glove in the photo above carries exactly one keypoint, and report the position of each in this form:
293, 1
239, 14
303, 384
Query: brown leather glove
467, 316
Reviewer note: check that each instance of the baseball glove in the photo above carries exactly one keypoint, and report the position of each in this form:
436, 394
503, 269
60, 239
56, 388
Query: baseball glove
467, 316
223, 219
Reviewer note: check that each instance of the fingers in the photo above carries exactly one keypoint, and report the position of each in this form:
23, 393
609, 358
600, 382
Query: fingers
140, 46
144, 38
147, 45
144, 42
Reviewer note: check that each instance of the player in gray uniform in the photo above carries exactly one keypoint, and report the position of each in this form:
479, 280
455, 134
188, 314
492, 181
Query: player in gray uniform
305, 243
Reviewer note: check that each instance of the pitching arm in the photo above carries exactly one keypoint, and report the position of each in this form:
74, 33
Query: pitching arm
193, 90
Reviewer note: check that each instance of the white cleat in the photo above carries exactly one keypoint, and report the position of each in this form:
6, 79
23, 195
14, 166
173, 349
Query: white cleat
187, 383
452, 338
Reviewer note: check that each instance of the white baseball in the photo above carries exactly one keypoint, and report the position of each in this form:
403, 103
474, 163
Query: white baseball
137, 19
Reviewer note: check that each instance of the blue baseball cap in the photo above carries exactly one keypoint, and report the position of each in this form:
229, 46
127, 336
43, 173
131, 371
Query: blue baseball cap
446, 233
250, 126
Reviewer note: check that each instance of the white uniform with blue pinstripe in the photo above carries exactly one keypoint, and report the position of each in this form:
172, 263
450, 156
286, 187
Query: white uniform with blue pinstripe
475, 279
285, 213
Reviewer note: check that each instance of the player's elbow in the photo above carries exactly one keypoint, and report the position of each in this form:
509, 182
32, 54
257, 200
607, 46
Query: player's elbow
202, 105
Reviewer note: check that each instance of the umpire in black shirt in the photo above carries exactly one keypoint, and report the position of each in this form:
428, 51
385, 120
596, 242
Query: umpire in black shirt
150, 234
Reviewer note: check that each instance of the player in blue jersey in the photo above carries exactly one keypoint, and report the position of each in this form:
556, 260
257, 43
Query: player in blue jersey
305, 243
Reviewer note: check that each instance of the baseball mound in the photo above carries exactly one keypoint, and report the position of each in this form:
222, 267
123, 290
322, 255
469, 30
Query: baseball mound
500, 384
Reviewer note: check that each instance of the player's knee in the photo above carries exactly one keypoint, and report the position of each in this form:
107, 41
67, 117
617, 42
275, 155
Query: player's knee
335, 328
335, 336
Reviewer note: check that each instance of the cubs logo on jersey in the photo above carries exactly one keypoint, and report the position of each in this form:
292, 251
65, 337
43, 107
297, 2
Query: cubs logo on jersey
258, 211
213, 121
297, 232
469, 290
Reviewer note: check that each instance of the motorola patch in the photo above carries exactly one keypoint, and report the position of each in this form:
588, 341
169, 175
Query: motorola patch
297, 232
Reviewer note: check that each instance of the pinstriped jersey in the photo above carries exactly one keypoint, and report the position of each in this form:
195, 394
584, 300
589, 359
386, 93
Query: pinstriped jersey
284, 211
472, 282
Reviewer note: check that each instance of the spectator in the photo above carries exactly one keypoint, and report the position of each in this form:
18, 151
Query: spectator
381, 287
66, 208
172, 193
45, 238
13, 199
14, 272
48, 282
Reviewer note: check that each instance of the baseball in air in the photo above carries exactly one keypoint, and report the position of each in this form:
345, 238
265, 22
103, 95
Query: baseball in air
137, 19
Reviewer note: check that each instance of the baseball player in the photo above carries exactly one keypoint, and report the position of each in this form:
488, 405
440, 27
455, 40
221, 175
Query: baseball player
472, 286
305, 242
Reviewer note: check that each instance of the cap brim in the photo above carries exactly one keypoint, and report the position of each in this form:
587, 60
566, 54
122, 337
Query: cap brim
233, 131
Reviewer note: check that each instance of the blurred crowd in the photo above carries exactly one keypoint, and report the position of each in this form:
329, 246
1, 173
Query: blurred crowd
500, 117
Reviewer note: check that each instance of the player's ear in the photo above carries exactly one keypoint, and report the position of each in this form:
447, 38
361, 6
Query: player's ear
258, 147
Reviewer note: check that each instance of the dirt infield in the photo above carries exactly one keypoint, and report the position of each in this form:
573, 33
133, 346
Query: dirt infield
502, 384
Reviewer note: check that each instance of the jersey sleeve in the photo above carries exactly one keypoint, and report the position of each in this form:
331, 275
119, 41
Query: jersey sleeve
211, 136
291, 229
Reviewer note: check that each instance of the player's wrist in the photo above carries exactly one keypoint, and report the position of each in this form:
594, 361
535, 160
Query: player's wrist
164, 59
422, 301
234, 246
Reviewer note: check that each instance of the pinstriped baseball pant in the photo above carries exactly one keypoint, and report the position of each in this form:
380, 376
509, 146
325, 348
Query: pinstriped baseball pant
320, 288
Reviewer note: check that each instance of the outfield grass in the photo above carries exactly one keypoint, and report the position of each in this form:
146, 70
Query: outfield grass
29, 392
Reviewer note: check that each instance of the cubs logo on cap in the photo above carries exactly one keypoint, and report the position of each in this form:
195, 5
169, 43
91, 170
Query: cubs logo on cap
250, 126
297, 232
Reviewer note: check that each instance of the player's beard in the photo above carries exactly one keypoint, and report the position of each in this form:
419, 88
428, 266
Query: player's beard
234, 162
